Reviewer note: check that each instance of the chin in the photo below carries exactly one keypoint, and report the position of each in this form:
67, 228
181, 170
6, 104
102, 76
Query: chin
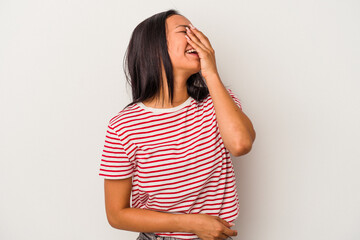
197, 68
195, 71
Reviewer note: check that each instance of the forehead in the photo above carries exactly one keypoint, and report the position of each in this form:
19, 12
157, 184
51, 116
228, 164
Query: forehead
175, 21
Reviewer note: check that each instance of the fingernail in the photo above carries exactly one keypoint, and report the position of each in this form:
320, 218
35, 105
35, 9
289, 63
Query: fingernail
191, 26
231, 224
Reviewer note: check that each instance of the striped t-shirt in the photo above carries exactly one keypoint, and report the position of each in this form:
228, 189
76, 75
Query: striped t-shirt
176, 158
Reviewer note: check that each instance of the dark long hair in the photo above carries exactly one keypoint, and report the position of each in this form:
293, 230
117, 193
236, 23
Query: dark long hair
146, 51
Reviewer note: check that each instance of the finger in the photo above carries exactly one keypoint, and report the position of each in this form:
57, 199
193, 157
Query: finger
194, 45
230, 233
223, 236
201, 36
195, 39
226, 223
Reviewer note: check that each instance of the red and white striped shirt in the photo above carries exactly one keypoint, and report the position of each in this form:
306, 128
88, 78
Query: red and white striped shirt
176, 157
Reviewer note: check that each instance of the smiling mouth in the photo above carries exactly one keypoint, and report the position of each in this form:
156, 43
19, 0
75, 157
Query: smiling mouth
192, 52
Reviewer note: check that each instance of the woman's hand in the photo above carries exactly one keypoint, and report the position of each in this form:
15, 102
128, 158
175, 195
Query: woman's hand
208, 227
204, 49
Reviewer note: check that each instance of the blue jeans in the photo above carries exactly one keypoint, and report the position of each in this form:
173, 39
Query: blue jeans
153, 236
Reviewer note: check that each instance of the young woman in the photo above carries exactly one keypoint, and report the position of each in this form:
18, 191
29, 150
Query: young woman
169, 150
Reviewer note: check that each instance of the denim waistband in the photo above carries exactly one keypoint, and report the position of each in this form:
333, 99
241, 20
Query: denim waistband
153, 236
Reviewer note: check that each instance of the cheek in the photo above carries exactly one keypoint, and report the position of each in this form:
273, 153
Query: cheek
176, 49
178, 45
176, 53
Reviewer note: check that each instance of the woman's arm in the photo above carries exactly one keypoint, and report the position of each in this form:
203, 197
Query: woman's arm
144, 220
235, 127
121, 216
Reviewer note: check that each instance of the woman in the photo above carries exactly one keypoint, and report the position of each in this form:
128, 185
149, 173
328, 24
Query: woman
173, 158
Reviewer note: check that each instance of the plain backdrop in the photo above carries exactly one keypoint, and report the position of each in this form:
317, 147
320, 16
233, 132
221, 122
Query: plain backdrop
293, 64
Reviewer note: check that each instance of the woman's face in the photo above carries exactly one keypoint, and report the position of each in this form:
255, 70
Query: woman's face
183, 63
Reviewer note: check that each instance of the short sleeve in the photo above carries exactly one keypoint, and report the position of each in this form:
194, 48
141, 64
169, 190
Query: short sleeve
115, 164
235, 98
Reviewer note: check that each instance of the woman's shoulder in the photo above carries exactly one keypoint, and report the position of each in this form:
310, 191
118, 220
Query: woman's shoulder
129, 115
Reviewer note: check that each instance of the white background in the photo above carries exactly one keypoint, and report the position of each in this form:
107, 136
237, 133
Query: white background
293, 64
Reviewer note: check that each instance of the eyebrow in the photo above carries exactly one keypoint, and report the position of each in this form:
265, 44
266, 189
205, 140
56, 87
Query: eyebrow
183, 26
